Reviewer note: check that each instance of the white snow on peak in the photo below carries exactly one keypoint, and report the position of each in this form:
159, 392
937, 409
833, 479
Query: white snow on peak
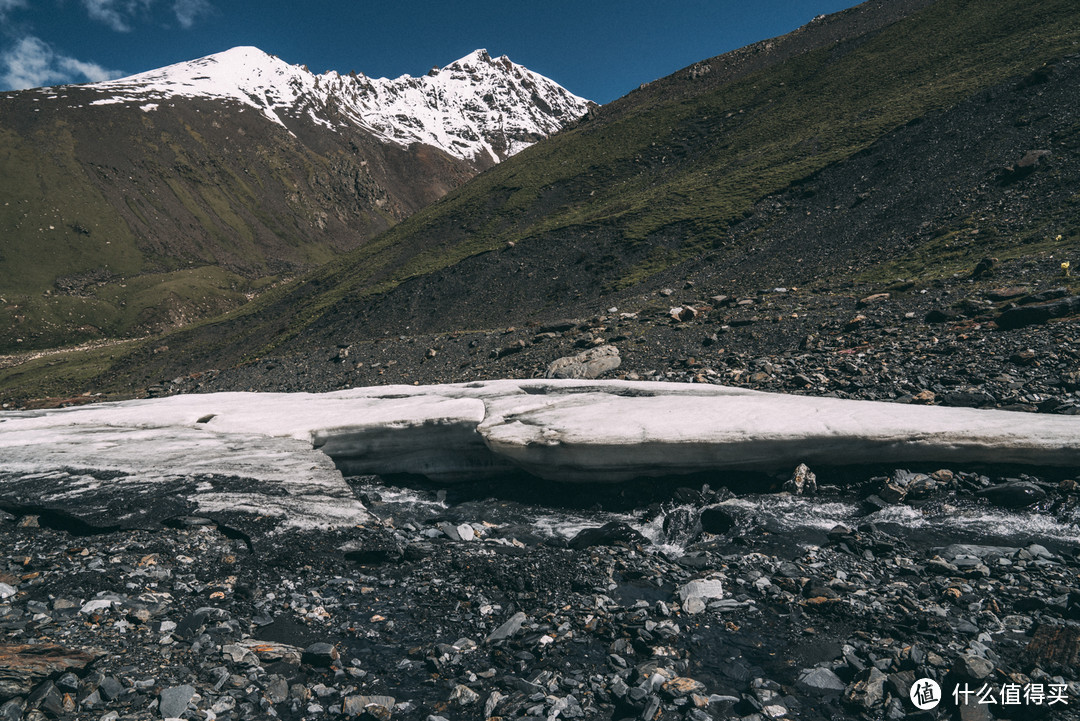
475, 107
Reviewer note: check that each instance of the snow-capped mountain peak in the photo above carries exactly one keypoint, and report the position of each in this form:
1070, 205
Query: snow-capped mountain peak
476, 108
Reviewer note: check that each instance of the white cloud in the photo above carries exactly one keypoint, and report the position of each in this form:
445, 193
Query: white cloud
7, 6
120, 15
33, 63
113, 13
188, 11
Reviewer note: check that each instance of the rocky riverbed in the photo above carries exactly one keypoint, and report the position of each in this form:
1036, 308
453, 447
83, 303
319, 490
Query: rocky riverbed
814, 596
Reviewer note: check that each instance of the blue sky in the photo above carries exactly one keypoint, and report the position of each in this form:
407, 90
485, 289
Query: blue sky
600, 49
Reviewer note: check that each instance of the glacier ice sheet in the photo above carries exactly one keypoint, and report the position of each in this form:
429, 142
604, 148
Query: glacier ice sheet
273, 455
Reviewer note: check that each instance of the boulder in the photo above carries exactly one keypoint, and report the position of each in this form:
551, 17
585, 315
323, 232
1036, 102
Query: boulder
586, 365
23, 666
1037, 313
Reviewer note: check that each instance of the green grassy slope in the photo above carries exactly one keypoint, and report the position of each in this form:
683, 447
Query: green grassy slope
116, 221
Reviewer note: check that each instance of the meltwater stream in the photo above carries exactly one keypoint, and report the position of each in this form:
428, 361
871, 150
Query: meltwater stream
779, 523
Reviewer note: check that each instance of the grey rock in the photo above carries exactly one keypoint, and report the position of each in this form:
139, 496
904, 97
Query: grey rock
694, 605
278, 690
507, 629
12, 710
320, 654
868, 690
820, 680
588, 364
174, 701
703, 588
356, 705
1038, 313
961, 550
974, 667
463, 695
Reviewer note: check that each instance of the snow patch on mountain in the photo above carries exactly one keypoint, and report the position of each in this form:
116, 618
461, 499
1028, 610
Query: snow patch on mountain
474, 108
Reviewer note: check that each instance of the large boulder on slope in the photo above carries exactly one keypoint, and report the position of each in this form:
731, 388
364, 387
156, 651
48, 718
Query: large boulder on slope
586, 365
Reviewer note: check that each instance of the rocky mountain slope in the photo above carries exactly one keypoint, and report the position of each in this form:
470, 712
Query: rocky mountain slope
147, 202
886, 149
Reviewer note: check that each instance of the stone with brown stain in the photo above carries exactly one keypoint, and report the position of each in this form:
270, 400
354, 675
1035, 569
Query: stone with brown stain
23, 666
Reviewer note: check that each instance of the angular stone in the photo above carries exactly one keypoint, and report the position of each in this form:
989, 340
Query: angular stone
320, 654
703, 588
174, 701
820, 680
507, 629
463, 695
356, 705
868, 690
1055, 647
681, 686
586, 365
975, 668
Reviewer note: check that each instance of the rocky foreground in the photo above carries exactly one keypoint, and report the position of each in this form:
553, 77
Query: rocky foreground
529, 602
768, 597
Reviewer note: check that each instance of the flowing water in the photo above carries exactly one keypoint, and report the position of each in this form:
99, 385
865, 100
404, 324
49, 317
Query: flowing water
776, 521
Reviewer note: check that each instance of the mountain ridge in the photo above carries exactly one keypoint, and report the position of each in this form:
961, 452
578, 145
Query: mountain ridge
607, 204
145, 203
474, 108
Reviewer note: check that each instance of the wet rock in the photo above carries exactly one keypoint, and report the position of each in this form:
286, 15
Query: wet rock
610, 534
377, 549
802, 482
681, 526
717, 519
1013, 495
